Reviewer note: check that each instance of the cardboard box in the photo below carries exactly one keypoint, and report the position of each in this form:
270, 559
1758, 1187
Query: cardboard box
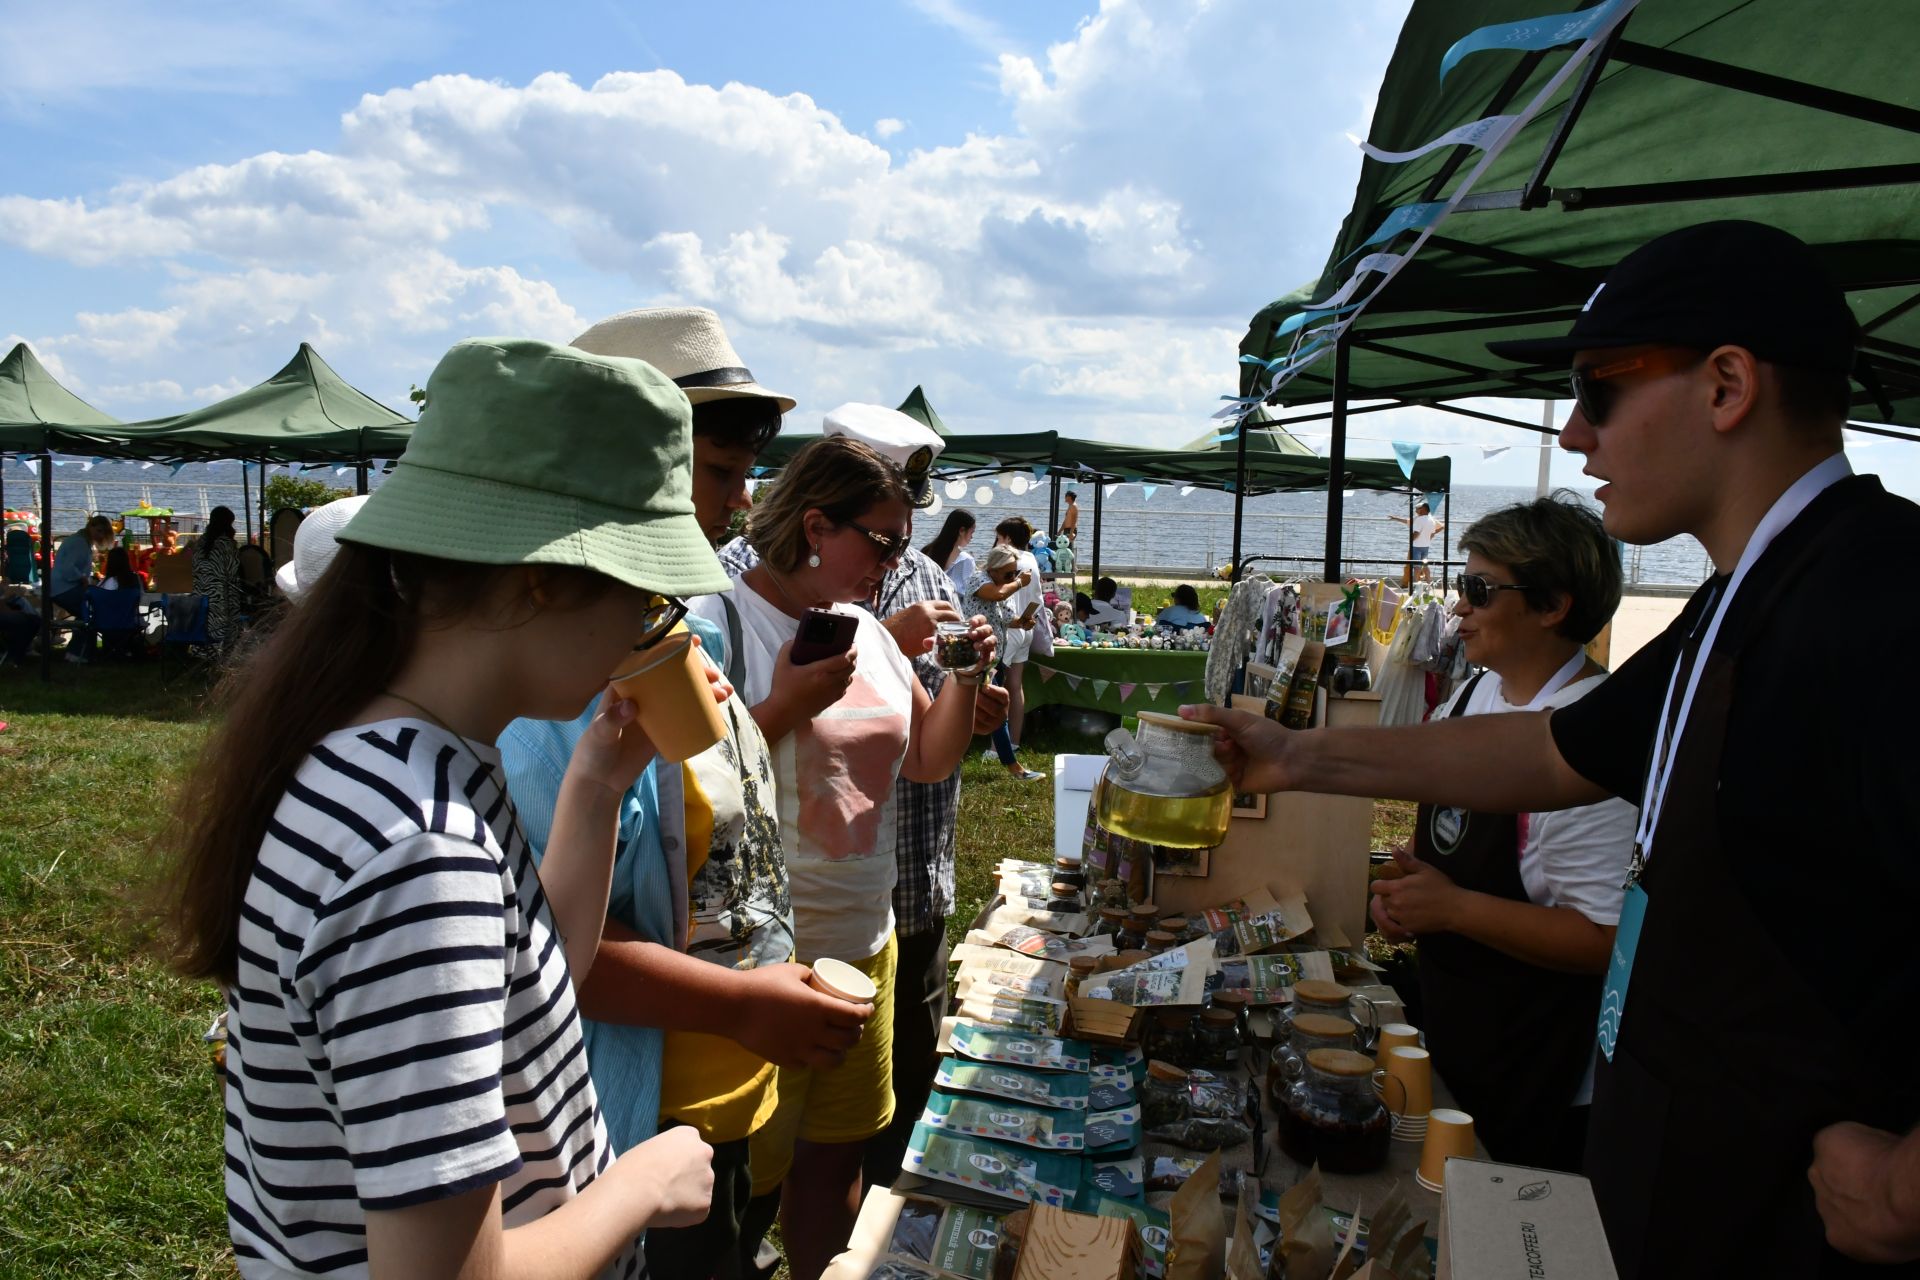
1074, 1246
1507, 1222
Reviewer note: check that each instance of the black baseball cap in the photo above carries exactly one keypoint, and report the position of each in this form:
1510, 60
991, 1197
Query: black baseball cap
1735, 283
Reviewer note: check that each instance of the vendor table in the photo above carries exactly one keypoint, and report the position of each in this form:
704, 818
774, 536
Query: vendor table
1122, 681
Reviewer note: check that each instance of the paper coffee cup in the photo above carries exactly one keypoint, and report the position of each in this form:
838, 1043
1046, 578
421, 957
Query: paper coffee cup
839, 979
1393, 1034
1449, 1133
667, 684
1413, 1069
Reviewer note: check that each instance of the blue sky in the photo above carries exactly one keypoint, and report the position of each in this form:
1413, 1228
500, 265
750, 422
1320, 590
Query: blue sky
1050, 214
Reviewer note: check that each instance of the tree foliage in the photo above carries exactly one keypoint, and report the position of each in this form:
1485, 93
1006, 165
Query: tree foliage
299, 492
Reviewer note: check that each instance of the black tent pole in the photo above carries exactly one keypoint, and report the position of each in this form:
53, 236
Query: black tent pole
1099, 492
360, 478
1239, 495
1337, 458
1053, 507
246, 500
46, 566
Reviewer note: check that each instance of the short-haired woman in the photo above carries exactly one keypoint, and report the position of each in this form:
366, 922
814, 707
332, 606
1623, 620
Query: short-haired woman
842, 728
1515, 913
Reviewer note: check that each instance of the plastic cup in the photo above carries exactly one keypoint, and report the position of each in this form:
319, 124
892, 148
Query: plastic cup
1449, 1133
667, 683
841, 980
1413, 1068
1394, 1034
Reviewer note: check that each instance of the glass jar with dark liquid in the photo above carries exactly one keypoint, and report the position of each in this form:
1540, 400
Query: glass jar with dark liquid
1164, 786
953, 646
1332, 1115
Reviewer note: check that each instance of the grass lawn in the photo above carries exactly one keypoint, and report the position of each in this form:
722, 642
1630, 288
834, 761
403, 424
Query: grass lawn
110, 1119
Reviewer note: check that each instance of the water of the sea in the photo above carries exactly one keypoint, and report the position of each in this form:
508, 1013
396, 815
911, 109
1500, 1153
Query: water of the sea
1178, 534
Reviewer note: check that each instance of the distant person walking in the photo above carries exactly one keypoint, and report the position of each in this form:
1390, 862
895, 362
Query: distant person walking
1070, 520
1424, 527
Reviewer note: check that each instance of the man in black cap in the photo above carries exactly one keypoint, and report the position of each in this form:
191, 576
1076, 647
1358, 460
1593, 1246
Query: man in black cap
1757, 1042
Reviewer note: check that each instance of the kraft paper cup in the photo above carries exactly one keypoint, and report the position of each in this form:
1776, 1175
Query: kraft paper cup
841, 980
1449, 1133
1413, 1069
1393, 1034
667, 684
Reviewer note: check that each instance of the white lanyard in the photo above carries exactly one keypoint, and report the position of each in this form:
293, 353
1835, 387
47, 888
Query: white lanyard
1561, 679
1783, 513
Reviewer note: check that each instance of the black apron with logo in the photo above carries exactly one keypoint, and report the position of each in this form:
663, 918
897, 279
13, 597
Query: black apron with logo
1510, 1039
1703, 1122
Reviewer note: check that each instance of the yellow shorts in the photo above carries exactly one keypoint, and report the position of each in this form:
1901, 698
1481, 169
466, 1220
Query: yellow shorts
850, 1103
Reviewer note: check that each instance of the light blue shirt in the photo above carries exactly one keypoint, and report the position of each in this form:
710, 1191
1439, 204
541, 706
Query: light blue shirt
645, 896
73, 563
1178, 615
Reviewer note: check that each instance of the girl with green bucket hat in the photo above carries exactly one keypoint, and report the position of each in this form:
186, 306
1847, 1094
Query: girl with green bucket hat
407, 1089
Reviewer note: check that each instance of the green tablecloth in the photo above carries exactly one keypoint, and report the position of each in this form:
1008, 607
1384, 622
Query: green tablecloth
1116, 680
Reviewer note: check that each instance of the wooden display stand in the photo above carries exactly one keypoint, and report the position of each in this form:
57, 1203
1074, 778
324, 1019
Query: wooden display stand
1316, 843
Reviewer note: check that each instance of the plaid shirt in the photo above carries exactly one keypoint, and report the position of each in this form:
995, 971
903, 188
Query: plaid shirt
923, 889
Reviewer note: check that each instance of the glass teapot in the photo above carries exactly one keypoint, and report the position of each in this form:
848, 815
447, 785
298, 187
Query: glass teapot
1164, 787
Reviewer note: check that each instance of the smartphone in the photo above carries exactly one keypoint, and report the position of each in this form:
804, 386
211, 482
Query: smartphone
1027, 614
823, 634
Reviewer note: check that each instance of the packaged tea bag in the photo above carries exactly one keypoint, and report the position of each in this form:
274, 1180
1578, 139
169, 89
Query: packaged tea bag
1123, 1178
1004, 1121
1111, 1131
1243, 1252
1169, 1173
1039, 1016
966, 1243
1065, 1091
1152, 1224
1306, 1237
1040, 1052
1015, 1173
971, 980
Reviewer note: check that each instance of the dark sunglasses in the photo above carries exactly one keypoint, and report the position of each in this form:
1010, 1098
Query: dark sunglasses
890, 545
660, 618
1596, 398
1478, 589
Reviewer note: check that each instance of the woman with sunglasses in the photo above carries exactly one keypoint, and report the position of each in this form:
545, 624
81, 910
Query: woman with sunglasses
843, 727
1515, 913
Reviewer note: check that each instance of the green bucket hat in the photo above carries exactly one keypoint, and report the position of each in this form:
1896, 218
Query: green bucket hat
530, 453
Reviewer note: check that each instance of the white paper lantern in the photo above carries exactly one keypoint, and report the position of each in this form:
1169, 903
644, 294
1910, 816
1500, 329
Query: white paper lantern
983, 495
1017, 485
933, 508
956, 489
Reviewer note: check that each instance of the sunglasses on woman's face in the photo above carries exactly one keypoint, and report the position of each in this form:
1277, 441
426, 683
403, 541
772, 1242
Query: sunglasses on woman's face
661, 615
1591, 383
889, 545
1479, 589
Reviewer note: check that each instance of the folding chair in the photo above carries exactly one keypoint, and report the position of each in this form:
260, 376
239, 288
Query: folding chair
184, 622
115, 616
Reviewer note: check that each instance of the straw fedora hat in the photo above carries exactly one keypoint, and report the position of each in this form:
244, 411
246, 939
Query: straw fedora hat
685, 343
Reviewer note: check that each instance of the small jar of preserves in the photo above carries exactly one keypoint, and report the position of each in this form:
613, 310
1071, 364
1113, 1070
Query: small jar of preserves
1068, 871
1064, 898
1163, 1094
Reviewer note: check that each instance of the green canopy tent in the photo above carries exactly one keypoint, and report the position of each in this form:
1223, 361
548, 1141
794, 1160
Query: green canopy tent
39, 416
915, 406
1668, 113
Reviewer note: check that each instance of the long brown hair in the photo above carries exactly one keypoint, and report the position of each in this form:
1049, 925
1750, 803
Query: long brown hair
337, 649
843, 478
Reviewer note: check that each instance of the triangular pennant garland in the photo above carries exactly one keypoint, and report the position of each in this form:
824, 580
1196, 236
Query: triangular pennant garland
1126, 689
1100, 688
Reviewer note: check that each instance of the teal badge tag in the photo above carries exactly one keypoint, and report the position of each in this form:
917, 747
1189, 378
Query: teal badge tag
1626, 940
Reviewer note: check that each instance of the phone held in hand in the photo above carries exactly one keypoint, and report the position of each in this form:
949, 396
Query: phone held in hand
1027, 614
823, 634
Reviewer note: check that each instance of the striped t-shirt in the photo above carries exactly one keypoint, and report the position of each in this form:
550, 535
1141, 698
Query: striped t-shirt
403, 1028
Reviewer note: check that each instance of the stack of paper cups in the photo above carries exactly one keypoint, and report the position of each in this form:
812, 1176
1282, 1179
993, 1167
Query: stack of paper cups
1405, 1083
1393, 1034
1449, 1133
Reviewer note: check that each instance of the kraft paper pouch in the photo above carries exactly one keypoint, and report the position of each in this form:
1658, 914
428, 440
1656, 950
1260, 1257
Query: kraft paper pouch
1154, 1228
975, 980
1269, 979
1004, 1121
1112, 1131
1035, 1088
1042, 1053
1123, 1179
1243, 1252
1016, 1173
978, 961
1015, 913
1016, 935
1040, 1017
1197, 1249
1176, 976
1305, 1251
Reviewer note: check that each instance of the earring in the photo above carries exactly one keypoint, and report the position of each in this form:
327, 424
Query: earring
813, 561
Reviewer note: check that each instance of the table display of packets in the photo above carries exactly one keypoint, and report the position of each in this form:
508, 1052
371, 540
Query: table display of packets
1005, 1121
1130, 1058
1268, 979
996, 1168
1123, 1178
1044, 1053
1110, 1088
1061, 1090
931, 1237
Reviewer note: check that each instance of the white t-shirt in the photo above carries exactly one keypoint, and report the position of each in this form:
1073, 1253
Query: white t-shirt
1573, 857
833, 780
1424, 527
962, 571
402, 1027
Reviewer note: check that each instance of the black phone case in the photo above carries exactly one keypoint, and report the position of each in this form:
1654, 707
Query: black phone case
822, 635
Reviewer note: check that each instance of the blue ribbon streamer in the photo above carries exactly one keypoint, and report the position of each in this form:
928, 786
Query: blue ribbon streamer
1535, 33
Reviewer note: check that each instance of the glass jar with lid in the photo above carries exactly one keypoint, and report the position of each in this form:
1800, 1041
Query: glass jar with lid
1311, 995
1113, 922
1310, 1031
1169, 1036
1159, 940
1332, 1116
1112, 893
1065, 898
1216, 1039
1068, 871
1179, 927
1081, 968
1234, 999
1163, 1095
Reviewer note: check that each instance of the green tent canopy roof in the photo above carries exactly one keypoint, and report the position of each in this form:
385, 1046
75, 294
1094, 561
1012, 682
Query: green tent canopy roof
34, 407
915, 406
1788, 112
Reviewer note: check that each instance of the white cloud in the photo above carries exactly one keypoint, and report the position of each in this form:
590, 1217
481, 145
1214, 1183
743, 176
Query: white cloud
1099, 255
